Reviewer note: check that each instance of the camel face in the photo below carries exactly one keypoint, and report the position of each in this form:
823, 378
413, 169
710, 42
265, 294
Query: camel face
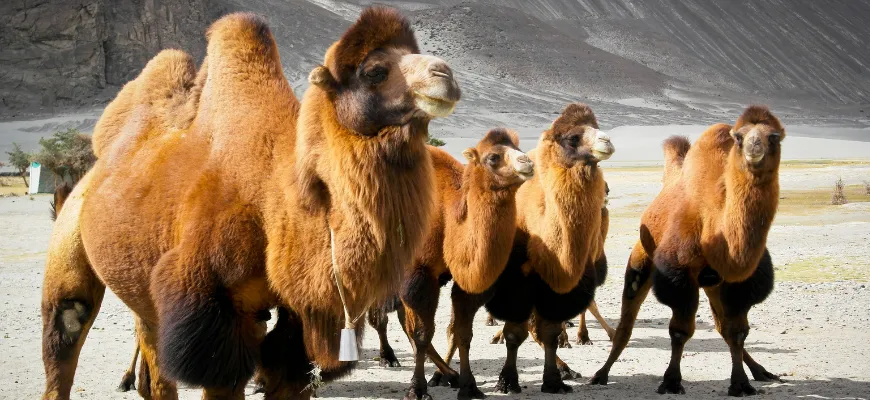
758, 144
757, 136
576, 138
498, 152
377, 77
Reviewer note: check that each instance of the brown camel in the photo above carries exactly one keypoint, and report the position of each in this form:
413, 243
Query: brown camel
471, 235
235, 213
708, 229
557, 238
601, 275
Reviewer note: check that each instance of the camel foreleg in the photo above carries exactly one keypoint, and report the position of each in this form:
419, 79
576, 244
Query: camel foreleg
638, 281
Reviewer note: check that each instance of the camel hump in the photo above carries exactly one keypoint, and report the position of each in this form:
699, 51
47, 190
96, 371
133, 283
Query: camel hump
162, 88
675, 148
758, 114
241, 45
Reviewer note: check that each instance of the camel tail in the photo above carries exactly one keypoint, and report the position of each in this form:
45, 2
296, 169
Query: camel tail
675, 148
61, 193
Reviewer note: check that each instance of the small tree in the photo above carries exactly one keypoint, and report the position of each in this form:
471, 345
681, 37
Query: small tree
867, 188
434, 141
839, 197
66, 152
20, 160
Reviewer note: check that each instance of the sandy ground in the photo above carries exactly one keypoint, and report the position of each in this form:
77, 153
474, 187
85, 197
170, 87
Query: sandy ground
812, 329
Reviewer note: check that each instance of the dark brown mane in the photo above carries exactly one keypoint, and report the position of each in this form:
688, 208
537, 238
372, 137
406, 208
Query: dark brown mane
377, 27
757, 114
573, 115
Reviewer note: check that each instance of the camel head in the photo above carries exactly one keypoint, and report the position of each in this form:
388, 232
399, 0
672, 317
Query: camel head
377, 78
757, 135
575, 138
499, 155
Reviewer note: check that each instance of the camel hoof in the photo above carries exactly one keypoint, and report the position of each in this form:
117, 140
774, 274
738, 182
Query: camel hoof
556, 387
389, 360
491, 322
417, 394
569, 324
764, 376
564, 343
128, 383
740, 389
566, 373
672, 387
470, 391
600, 378
584, 342
508, 382
438, 379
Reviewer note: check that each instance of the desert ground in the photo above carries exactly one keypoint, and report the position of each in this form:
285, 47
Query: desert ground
812, 329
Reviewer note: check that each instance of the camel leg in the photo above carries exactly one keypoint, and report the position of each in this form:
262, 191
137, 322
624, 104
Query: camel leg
514, 336
465, 306
637, 285
583, 332
593, 308
564, 370
547, 333
420, 299
681, 296
378, 319
71, 298
284, 365
490, 321
498, 338
730, 304
152, 384
444, 376
129, 380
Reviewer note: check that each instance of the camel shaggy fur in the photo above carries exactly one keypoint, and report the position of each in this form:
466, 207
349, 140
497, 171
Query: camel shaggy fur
550, 265
471, 234
229, 212
708, 229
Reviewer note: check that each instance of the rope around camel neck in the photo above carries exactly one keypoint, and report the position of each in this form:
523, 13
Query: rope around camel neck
336, 272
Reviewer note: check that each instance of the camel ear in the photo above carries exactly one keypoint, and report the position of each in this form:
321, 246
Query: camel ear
322, 78
470, 154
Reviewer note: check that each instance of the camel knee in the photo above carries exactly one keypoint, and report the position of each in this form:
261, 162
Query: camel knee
65, 323
635, 281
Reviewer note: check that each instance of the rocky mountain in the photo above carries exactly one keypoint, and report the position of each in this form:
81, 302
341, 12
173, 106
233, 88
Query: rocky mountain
519, 61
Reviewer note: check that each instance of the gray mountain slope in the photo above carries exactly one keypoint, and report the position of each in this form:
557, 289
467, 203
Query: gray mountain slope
519, 61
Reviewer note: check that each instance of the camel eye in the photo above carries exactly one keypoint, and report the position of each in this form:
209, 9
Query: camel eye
493, 159
739, 138
773, 138
574, 140
376, 75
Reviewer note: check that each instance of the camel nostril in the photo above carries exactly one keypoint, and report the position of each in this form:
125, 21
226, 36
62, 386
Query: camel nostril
524, 159
440, 70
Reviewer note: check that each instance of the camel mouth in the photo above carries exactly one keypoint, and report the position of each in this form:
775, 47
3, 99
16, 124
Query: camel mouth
526, 175
434, 106
602, 150
754, 159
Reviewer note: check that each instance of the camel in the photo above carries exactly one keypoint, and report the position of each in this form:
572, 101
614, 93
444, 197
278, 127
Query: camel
471, 234
601, 276
707, 229
557, 237
243, 205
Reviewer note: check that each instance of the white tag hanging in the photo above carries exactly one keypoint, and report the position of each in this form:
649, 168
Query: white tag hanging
348, 350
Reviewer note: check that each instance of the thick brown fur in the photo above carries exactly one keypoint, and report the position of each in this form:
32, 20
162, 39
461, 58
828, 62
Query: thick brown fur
470, 236
203, 194
560, 208
708, 228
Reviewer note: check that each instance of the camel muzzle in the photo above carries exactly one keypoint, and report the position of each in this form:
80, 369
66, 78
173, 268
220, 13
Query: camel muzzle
603, 148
